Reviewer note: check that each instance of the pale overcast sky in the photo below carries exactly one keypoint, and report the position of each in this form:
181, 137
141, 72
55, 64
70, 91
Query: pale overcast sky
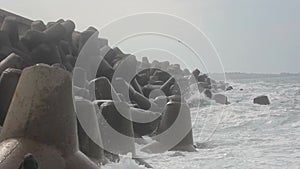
250, 35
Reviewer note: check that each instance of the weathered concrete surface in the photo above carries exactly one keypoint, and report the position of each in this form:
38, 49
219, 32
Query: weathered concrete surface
173, 108
131, 94
175, 129
23, 23
101, 89
144, 122
116, 130
88, 130
41, 120
10, 26
13, 61
8, 83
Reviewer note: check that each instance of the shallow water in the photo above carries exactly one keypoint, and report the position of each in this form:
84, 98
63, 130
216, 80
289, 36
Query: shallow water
248, 135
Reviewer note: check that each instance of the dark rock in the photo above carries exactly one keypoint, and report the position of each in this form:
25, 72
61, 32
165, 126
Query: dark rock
204, 85
208, 80
262, 100
202, 78
142, 162
196, 73
220, 98
208, 93
229, 88
222, 86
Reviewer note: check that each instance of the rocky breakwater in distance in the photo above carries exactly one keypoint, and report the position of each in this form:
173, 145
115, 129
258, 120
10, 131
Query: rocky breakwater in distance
38, 114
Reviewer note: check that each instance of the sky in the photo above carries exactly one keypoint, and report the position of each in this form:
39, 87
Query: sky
258, 36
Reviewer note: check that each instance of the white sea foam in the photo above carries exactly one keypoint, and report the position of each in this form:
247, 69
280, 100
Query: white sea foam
249, 135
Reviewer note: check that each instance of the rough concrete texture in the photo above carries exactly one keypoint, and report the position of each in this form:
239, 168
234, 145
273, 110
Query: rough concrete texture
41, 120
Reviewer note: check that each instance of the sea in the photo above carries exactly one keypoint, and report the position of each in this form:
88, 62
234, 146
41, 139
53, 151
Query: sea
241, 134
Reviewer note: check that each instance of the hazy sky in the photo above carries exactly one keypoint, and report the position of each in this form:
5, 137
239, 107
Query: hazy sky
250, 35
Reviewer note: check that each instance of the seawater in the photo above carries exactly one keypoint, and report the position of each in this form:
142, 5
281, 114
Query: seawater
241, 134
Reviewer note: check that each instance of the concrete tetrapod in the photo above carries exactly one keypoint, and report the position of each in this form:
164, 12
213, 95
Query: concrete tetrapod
144, 121
173, 108
13, 61
41, 120
8, 83
88, 130
101, 89
117, 130
10, 26
129, 92
175, 129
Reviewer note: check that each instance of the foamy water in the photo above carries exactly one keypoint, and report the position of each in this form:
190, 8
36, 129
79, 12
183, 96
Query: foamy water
248, 136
